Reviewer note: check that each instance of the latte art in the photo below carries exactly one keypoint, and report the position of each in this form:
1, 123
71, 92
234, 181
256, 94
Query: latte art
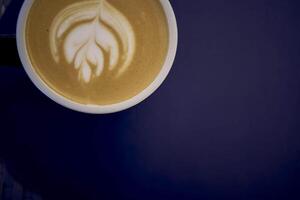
97, 52
92, 35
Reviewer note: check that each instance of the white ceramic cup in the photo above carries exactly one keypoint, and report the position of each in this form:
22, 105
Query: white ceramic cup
97, 109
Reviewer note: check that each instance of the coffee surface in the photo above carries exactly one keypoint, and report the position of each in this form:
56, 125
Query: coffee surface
97, 52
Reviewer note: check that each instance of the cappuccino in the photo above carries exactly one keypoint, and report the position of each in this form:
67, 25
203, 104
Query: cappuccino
97, 52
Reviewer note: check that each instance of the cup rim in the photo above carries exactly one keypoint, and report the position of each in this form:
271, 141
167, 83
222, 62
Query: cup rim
90, 108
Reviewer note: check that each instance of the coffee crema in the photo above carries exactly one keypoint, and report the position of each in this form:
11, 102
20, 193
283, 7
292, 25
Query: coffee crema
100, 51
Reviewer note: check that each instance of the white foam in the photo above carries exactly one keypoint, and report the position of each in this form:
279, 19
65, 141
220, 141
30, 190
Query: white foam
85, 72
82, 31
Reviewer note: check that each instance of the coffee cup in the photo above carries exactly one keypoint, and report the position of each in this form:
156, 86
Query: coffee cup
114, 71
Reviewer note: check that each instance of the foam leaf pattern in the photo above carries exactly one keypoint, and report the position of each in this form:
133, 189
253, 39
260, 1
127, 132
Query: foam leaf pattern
92, 34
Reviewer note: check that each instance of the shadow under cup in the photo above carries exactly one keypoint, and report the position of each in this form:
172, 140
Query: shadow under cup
88, 108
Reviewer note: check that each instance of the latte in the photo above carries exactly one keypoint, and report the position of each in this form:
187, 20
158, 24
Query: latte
97, 52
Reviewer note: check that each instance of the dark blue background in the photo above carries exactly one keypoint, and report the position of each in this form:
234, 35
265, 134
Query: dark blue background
224, 125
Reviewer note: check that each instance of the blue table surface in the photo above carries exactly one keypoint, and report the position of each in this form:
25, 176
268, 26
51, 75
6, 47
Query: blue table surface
224, 125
